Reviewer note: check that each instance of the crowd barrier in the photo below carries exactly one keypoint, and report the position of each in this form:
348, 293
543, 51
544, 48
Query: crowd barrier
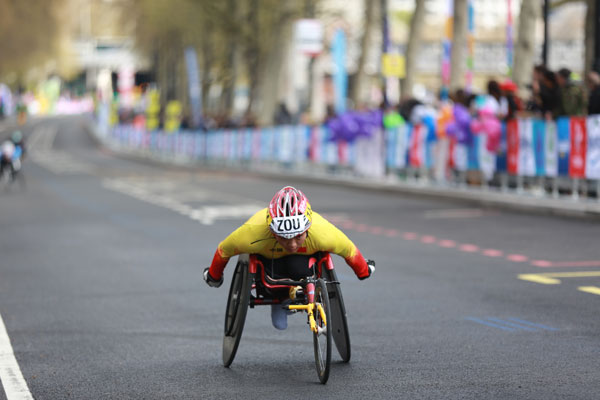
530, 148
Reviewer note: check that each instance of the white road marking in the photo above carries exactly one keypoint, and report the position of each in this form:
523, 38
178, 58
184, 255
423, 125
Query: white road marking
41, 142
204, 214
12, 379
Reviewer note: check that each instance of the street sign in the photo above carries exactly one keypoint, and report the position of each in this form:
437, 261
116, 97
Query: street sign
309, 36
393, 65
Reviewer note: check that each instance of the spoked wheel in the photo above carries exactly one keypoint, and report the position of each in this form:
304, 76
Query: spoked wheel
322, 339
340, 332
237, 307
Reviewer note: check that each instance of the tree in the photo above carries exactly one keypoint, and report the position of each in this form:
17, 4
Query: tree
525, 44
412, 49
459, 45
360, 76
30, 31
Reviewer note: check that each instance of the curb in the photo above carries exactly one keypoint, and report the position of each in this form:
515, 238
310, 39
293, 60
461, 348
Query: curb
489, 197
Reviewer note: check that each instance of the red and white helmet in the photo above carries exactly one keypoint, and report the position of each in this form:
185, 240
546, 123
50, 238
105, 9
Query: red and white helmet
290, 213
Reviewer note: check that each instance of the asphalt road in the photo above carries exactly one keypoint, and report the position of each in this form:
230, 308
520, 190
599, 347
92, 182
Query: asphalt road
102, 295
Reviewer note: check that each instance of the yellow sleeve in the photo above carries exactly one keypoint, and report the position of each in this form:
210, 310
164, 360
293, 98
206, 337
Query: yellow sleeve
248, 238
329, 238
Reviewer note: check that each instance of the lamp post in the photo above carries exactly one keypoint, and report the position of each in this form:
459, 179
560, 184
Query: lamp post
545, 9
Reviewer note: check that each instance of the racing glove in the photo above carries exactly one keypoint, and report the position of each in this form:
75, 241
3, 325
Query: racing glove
371, 265
210, 281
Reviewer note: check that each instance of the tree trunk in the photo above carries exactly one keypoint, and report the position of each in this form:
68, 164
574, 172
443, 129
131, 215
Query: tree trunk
458, 56
252, 56
269, 83
525, 45
360, 77
590, 34
412, 49
232, 58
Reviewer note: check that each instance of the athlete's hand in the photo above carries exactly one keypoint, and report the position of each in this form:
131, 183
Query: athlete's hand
371, 265
210, 281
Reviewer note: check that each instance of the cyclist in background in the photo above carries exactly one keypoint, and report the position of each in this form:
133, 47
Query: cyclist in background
284, 236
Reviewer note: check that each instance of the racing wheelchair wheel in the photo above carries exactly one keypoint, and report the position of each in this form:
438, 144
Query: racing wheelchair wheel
340, 332
322, 339
237, 307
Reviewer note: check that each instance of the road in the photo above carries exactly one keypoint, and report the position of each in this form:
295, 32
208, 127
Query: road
102, 296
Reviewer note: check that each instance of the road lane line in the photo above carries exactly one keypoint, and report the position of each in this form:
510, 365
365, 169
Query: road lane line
522, 321
590, 289
468, 248
481, 321
12, 379
517, 258
512, 324
427, 239
550, 277
492, 253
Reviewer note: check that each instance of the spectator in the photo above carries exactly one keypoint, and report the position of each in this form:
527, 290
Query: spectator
547, 93
514, 103
495, 101
282, 115
572, 100
593, 80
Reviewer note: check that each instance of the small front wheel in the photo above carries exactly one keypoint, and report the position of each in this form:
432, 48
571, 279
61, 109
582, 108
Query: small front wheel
322, 338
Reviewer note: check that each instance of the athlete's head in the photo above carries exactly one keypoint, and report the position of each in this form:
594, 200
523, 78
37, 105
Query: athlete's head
290, 213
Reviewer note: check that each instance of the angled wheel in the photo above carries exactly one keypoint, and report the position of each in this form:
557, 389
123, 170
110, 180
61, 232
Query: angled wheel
340, 332
237, 307
322, 339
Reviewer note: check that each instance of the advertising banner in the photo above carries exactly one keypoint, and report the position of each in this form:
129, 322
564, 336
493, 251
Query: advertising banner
592, 161
578, 147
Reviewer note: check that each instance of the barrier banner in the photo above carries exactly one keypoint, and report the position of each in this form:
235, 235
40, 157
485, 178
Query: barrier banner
370, 155
486, 159
563, 130
539, 140
391, 136
551, 149
266, 144
256, 142
285, 143
301, 140
501, 154
401, 145
461, 156
592, 162
247, 146
473, 153
417, 146
526, 158
343, 156
200, 145
578, 148
512, 146
314, 152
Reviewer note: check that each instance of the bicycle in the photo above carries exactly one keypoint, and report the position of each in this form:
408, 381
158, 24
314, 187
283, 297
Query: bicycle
319, 295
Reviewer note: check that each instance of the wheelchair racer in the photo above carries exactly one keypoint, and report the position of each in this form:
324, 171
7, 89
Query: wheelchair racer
284, 236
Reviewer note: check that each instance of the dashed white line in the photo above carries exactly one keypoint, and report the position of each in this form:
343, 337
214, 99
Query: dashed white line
12, 379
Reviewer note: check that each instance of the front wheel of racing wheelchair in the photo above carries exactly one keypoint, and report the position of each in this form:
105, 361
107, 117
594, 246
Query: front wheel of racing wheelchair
237, 307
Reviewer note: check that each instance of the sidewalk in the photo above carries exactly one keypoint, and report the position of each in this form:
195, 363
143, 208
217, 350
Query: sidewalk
525, 202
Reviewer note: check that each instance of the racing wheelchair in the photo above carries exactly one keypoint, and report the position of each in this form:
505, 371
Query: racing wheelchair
319, 295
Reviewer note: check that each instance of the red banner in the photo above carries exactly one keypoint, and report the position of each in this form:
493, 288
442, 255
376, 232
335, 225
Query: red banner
415, 158
512, 146
578, 147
